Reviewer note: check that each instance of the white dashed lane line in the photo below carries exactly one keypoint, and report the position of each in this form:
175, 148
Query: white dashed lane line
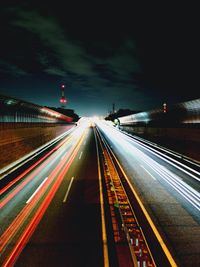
81, 155
68, 189
148, 172
36, 190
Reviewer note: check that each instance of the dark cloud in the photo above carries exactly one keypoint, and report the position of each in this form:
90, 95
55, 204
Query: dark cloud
136, 56
69, 55
11, 69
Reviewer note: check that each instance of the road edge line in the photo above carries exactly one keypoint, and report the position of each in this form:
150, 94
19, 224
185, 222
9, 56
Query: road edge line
104, 235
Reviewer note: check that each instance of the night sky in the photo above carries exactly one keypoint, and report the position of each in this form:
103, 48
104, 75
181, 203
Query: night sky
136, 55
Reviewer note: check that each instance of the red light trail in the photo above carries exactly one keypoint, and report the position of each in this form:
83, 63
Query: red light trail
42, 198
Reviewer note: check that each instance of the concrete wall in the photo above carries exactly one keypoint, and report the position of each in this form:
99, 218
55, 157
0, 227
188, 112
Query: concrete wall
183, 140
17, 141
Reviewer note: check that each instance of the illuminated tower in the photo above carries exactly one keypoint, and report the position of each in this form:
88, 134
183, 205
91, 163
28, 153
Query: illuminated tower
164, 107
63, 100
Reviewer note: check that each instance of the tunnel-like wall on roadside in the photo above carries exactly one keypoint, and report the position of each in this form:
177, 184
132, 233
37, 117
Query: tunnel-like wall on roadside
183, 140
174, 126
18, 139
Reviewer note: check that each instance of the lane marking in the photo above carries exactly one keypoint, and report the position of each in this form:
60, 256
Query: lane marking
36, 190
104, 234
39, 213
81, 155
148, 172
69, 187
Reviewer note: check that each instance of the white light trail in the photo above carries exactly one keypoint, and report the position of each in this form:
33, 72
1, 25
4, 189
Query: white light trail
159, 154
127, 143
184, 189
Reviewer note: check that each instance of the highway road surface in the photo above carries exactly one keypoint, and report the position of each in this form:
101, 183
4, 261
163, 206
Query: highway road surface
60, 199
169, 190
54, 213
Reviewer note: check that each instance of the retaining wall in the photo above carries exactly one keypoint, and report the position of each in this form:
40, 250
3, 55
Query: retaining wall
17, 141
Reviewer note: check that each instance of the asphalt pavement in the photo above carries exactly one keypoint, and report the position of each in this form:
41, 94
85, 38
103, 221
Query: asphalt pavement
69, 233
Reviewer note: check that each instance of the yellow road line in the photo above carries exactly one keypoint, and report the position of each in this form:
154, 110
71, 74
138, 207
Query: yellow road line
104, 235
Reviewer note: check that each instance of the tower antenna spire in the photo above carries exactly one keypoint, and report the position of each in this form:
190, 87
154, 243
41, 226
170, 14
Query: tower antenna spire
63, 99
